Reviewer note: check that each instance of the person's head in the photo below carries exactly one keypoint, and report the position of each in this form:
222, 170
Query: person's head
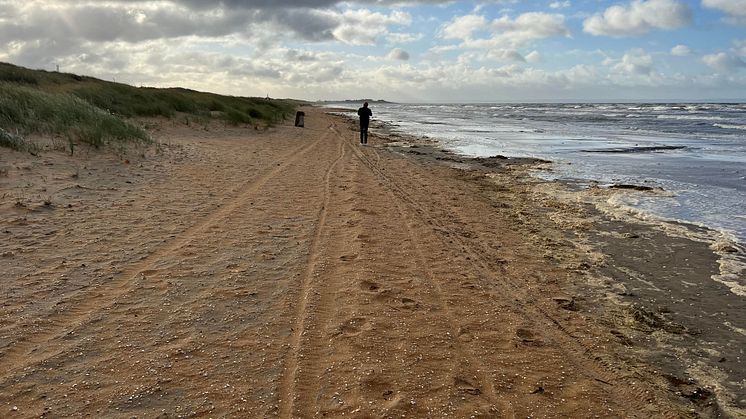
365, 105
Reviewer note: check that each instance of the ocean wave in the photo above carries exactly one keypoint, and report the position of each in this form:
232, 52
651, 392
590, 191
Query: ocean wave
730, 126
692, 117
648, 149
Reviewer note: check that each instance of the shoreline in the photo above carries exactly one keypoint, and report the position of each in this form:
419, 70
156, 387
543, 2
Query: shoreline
570, 165
663, 285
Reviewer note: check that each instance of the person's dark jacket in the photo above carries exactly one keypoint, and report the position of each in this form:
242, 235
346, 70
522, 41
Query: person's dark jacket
365, 114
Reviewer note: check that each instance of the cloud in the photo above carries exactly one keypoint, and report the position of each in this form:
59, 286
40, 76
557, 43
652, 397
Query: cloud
146, 21
505, 35
723, 62
507, 55
398, 54
534, 57
559, 4
529, 27
681, 50
137, 22
363, 27
740, 47
634, 62
462, 27
639, 18
403, 38
505, 31
300, 56
735, 9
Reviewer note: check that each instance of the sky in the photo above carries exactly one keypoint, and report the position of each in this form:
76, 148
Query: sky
410, 51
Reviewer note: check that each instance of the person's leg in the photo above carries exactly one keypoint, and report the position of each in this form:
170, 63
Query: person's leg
362, 133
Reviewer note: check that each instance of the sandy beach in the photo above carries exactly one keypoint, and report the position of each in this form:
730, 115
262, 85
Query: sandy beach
234, 272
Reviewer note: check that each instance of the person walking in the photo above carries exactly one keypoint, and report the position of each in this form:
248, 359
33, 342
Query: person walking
365, 113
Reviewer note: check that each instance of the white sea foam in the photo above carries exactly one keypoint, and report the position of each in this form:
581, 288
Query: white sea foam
692, 117
730, 126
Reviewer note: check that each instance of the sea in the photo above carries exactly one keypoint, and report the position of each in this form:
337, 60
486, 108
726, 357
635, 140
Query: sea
695, 152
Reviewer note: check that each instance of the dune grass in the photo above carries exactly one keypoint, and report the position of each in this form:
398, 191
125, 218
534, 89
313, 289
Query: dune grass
94, 111
129, 101
26, 110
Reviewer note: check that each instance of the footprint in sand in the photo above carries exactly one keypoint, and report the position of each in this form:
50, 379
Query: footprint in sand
366, 285
466, 387
354, 326
148, 272
527, 336
379, 388
409, 303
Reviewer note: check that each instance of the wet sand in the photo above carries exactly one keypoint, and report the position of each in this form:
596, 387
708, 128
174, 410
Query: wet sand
294, 273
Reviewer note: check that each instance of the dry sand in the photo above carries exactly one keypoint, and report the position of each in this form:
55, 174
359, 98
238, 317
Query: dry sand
294, 273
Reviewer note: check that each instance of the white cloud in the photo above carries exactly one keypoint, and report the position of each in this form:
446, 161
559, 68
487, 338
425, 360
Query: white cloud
506, 35
403, 38
528, 27
560, 4
634, 62
723, 62
639, 18
363, 27
534, 57
398, 54
681, 50
462, 27
735, 9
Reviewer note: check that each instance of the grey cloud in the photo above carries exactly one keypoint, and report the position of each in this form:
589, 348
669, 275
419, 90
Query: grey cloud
398, 54
7, 10
106, 24
259, 4
299, 56
285, 4
43, 53
305, 24
136, 21
724, 62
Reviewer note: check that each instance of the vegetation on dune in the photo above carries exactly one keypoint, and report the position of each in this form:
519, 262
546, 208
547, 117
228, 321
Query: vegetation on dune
26, 110
90, 110
131, 101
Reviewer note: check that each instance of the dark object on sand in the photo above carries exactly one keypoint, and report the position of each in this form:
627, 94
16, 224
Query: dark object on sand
299, 118
633, 187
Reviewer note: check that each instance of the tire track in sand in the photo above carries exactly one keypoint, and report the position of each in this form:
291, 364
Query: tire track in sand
472, 361
84, 305
290, 397
578, 353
